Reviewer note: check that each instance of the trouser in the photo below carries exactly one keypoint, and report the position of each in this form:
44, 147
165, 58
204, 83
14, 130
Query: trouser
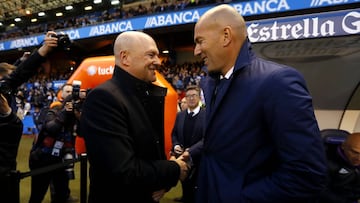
189, 186
9, 187
40, 183
53, 191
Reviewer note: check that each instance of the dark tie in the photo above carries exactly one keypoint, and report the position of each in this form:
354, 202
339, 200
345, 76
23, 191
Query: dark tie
191, 114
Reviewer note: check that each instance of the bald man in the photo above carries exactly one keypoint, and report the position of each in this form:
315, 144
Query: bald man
262, 142
344, 176
123, 126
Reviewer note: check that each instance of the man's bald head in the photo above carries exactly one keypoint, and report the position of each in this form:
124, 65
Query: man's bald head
219, 35
351, 147
224, 15
136, 53
130, 41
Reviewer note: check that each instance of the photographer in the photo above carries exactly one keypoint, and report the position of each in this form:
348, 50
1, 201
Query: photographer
10, 125
54, 145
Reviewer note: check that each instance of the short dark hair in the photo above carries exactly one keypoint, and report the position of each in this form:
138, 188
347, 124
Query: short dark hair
193, 87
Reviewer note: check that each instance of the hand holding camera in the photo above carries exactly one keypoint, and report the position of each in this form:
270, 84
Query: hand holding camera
4, 106
49, 44
63, 41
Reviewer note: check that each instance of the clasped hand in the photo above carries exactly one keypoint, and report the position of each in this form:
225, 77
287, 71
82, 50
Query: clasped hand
183, 162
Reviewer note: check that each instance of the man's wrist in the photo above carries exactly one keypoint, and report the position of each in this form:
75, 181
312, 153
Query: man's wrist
6, 114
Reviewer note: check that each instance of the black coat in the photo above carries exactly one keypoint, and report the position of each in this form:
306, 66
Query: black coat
123, 126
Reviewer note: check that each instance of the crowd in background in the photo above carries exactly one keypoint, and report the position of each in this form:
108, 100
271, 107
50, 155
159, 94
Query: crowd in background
113, 14
39, 92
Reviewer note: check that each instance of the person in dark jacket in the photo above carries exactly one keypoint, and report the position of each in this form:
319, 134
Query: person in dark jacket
10, 125
343, 170
187, 139
54, 145
122, 122
262, 142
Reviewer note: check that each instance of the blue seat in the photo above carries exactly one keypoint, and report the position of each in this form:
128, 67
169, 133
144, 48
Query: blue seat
334, 136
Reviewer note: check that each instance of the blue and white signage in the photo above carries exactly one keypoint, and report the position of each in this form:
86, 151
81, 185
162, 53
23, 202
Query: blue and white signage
329, 24
259, 7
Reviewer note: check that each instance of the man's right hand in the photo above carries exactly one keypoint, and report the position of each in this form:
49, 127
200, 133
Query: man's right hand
184, 168
49, 44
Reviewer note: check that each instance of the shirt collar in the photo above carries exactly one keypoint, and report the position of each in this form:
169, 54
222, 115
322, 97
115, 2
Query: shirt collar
228, 74
196, 110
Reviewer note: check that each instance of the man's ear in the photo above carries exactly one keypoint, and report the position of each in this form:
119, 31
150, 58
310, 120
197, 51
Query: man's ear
124, 57
227, 36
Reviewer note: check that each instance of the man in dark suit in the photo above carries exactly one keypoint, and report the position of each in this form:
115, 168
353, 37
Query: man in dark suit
187, 137
123, 126
262, 142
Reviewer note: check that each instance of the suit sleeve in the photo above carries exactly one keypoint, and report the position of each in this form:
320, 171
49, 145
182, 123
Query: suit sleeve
174, 133
289, 115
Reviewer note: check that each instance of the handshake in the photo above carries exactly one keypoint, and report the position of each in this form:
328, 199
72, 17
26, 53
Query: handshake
182, 157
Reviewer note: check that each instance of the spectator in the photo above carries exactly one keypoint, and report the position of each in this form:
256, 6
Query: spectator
187, 137
343, 170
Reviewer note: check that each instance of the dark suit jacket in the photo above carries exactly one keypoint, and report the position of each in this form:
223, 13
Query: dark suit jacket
123, 126
262, 142
196, 140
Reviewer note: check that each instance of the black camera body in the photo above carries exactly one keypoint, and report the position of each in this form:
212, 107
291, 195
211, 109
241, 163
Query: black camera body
76, 91
64, 41
5, 89
77, 104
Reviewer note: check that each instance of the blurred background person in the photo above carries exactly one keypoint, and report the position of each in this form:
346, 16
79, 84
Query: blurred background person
187, 135
343, 172
54, 144
183, 104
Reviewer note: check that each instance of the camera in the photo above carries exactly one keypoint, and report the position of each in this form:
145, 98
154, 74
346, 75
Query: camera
5, 89
76, 90
64, 41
